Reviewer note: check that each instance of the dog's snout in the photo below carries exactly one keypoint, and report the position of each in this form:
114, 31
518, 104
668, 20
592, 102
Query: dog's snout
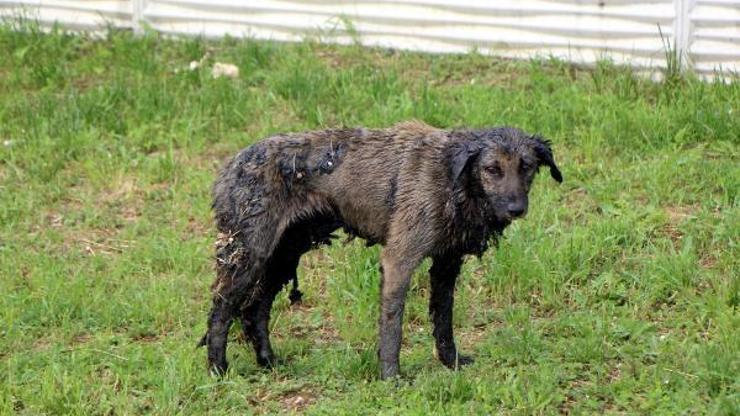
516, 209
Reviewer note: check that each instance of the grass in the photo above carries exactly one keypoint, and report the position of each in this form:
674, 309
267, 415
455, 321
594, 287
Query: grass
618, 293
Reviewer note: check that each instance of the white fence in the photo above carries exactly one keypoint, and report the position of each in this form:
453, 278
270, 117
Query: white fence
706, 33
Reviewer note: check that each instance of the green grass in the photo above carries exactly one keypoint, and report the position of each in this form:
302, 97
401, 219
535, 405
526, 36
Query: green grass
618, 293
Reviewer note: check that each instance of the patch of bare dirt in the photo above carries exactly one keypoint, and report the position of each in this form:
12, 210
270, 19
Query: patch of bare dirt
471, 338
677, 214
197, 228
297, 401
91, 241
121, 202
615, 373
294, 400
146, 338
708, 261
81, 338
326, 333
571, 396
41, 344
107, 376
55, 220
213, 158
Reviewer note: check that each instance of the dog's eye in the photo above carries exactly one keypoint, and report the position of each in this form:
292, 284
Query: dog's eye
525, 166
495, 170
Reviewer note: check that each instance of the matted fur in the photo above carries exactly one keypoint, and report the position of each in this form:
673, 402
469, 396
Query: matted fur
417, 190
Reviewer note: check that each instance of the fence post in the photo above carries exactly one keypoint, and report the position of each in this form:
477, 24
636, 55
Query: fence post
137, 15
682, 31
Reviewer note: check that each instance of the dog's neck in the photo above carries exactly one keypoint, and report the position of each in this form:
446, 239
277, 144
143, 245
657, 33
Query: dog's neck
474, 223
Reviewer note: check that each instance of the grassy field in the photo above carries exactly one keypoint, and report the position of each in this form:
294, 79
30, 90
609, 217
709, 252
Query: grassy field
618, 293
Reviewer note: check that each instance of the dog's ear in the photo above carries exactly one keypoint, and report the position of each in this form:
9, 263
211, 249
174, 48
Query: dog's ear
461, 155
544, 156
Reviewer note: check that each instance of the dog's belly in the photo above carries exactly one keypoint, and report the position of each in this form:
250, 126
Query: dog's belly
363, 206
369, 227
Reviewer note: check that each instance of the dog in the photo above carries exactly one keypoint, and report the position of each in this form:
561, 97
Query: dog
417, 190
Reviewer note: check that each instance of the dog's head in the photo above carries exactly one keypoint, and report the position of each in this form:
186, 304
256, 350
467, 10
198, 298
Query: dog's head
499, 165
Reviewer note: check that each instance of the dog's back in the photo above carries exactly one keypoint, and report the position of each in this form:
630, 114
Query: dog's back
353, 173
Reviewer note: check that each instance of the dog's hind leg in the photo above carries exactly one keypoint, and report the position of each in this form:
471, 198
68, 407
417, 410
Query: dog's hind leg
229, 294
255, 317
219, 322
443, 275
242, 263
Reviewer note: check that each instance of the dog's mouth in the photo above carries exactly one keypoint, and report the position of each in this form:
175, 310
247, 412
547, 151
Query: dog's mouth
517, 217
508, 216
507, 219
500, 219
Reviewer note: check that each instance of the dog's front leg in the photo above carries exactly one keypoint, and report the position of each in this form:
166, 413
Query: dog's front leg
396, 275
443, 275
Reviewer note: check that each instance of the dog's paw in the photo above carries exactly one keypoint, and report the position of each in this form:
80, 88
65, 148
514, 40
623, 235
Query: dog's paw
389, 371
457, 361
218, 370
295, 296
268, 360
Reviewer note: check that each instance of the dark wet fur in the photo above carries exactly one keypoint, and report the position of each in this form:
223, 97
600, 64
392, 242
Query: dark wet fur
418, 191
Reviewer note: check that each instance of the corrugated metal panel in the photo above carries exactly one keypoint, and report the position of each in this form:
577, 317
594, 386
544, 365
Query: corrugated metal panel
583, 31
81, 14
715, 37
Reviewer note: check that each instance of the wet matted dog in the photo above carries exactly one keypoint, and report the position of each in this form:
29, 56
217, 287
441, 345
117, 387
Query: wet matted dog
416, 190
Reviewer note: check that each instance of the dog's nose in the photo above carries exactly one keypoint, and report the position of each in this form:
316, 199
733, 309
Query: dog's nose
516, 210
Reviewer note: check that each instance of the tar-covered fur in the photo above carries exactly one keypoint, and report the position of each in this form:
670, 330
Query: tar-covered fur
418, 191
